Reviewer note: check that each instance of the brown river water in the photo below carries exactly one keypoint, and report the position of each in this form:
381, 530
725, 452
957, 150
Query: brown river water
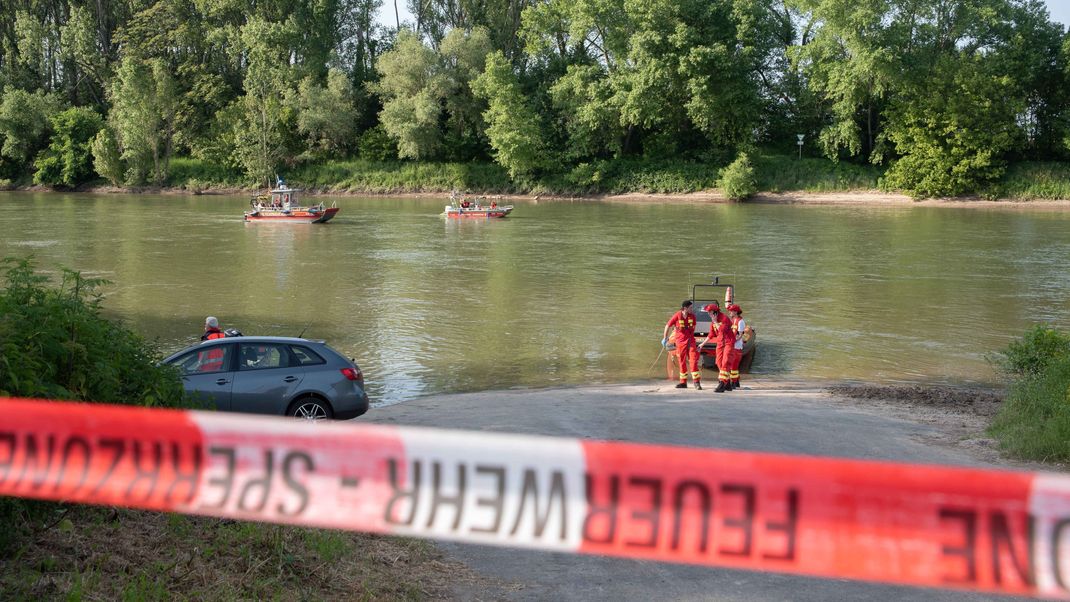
566, 293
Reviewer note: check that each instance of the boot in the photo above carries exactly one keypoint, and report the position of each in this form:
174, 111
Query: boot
698, 385
735, 384
728, 386
720, 387
682, 385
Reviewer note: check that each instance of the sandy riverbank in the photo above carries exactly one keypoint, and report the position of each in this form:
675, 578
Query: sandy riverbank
844, 198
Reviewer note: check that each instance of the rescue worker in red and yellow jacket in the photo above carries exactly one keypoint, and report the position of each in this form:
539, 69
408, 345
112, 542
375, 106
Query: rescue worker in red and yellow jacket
720, 333
739, 327
686, 350
214, 361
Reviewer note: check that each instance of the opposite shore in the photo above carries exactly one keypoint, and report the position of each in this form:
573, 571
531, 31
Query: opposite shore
837, 198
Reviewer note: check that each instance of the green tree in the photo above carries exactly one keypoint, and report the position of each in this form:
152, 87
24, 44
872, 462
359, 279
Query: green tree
412, 88
326, 117
68, 160
143, 115
107, 159
512, 125
25, 124
948, 146
260, 137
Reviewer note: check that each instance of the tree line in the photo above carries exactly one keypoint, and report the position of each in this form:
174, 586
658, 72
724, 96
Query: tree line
943, 93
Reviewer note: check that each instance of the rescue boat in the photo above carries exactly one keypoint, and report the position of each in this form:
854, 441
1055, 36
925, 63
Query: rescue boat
474, 207
280, 205
702, 294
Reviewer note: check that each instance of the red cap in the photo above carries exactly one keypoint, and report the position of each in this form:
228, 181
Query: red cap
709, 307
735, 308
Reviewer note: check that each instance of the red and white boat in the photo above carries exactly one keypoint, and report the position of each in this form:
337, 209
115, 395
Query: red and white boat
478, 208
280, 205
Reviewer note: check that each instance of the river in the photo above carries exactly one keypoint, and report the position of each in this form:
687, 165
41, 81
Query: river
566, 293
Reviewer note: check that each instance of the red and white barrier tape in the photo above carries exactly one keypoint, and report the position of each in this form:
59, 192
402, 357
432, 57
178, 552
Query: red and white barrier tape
984, 530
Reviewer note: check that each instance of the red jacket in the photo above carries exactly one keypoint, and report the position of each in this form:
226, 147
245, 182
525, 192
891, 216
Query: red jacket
721, 329
684, 325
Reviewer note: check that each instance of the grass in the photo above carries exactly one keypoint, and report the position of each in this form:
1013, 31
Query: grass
1031, 180
785, 173
100, 553
1034, 422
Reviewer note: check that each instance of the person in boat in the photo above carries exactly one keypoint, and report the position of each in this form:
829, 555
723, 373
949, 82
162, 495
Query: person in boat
739, 328
721, 334
465, 204
686, 350
494, 204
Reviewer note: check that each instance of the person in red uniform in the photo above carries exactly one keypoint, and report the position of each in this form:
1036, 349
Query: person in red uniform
214, 360
739, 326
686, 350
720, 333
211, 329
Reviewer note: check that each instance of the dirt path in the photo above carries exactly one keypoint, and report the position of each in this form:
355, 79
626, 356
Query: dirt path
776, 416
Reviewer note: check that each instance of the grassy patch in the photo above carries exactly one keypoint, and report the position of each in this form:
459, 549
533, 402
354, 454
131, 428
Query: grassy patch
1034, 422
105, 554
785, 173
1033, 180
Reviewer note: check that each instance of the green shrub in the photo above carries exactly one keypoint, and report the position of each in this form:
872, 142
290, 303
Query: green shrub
737, 180
376, 145
1034, 422
55, 344
107, 160
1041, 347
68, 160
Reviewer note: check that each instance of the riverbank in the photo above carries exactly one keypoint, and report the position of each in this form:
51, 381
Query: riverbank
856, 198
778, 178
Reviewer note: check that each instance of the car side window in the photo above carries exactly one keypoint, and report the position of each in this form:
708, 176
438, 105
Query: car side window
260, 356
201, 361
305, 356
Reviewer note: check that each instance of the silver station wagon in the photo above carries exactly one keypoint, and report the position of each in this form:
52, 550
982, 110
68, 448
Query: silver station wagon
272, 375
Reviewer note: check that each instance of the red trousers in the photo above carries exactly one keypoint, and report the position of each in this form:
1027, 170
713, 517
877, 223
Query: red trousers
687, 356
733, 364
724, 360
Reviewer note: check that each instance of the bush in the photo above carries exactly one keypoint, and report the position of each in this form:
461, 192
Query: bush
1034, 422
106, 158
1041, 347
54, 344
738, 180
376, 145
68, 161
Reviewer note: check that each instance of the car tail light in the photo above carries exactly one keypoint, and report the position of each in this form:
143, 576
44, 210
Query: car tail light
353, 374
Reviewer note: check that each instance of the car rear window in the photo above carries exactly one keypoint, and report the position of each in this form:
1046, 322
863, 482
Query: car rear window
306, 357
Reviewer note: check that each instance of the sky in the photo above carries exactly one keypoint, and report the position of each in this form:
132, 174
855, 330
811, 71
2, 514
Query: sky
1059, 9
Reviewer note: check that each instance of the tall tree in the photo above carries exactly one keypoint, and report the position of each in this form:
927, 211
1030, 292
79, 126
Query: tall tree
143, 115
512, 125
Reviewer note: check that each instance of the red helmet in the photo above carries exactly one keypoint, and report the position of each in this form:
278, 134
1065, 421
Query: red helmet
710, 307
735, 308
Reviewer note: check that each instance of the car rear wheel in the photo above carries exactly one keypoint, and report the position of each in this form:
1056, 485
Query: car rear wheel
310, 408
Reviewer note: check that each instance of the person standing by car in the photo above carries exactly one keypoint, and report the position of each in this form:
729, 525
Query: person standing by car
686, 350
211, 329
739, 327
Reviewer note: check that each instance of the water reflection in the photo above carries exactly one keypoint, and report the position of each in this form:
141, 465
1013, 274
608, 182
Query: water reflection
566, 293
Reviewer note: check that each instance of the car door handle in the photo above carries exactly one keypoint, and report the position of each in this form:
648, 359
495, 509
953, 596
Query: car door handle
222, 381
289, 379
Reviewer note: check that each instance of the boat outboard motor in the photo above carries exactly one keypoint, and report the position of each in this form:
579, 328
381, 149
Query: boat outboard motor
232, 332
